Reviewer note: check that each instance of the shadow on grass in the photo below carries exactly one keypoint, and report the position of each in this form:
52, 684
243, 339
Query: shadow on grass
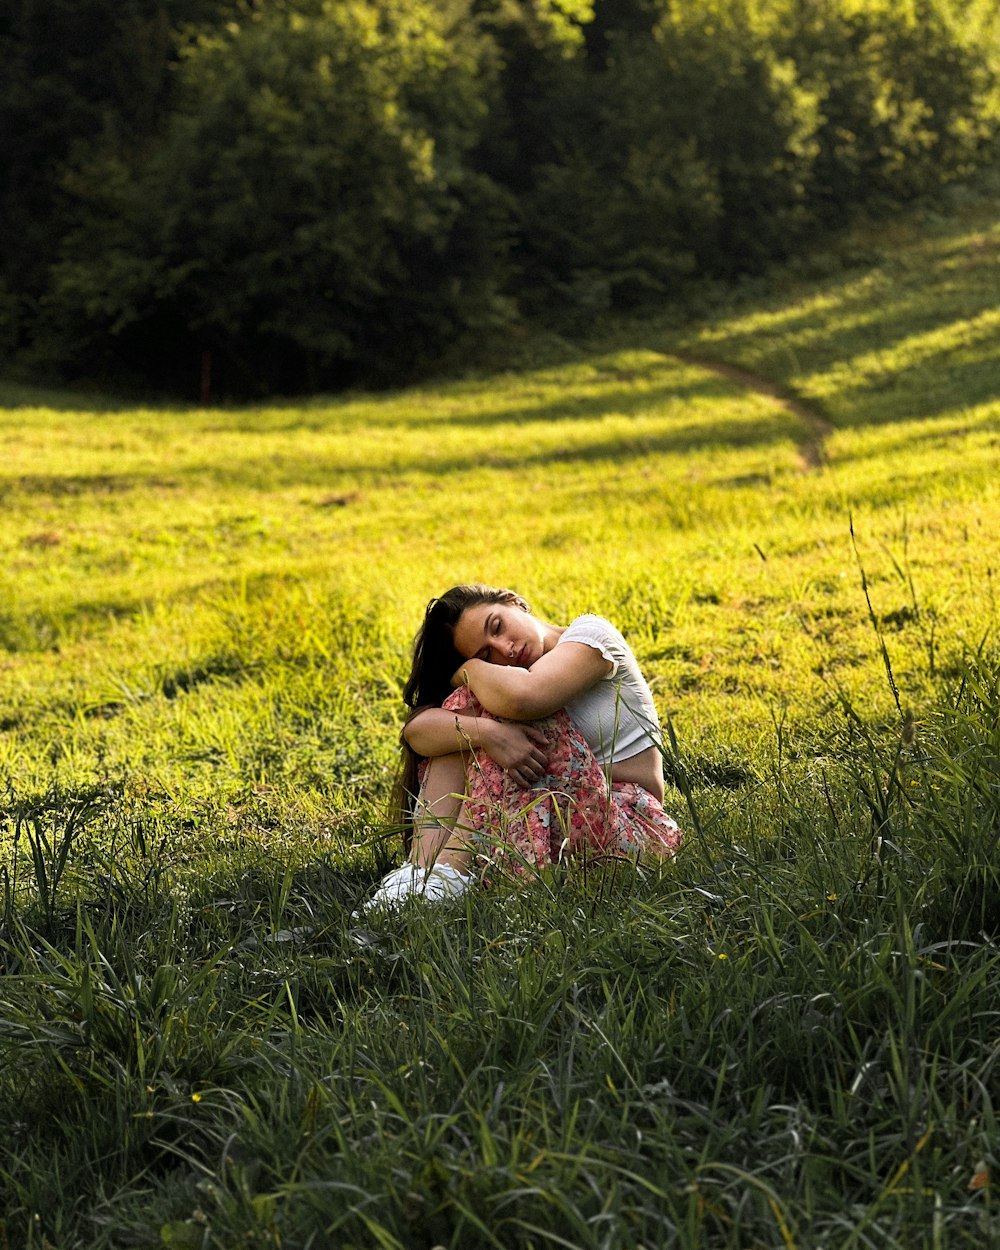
911, 335
14, 395
752, 422
763, 429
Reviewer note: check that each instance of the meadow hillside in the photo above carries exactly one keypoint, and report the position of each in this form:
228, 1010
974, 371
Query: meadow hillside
787, 1037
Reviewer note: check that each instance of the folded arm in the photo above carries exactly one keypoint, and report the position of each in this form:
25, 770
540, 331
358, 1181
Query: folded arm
527, 694
437, 731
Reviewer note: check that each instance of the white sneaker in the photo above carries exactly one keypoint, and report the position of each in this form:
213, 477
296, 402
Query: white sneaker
433, 885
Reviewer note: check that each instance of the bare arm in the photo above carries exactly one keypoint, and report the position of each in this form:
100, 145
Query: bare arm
437, 731
527, 694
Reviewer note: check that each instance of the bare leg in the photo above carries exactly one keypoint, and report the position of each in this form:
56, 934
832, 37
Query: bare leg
441, 816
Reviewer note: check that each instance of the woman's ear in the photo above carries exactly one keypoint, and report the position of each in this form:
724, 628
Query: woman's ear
515, 600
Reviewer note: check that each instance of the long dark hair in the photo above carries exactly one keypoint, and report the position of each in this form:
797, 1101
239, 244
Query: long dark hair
429, 684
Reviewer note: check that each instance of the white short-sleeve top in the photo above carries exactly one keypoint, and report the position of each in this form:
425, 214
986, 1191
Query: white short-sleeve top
616, 716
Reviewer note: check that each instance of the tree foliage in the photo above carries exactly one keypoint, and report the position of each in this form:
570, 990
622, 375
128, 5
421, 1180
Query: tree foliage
308, 212
713, 138
320, 192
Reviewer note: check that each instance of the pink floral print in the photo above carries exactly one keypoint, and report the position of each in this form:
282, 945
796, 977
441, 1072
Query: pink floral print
569, 810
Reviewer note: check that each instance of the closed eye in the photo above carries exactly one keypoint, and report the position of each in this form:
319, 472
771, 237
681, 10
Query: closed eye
494, 628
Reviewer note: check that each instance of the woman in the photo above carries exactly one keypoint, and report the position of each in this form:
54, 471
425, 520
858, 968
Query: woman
526, 740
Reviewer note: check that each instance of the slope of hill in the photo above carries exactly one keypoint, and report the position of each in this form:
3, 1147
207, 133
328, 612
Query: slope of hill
785, 1037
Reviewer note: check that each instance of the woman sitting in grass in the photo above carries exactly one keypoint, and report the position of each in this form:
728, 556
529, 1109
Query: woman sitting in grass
526, 740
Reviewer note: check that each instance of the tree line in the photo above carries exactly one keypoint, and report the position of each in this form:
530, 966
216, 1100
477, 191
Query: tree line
306, 194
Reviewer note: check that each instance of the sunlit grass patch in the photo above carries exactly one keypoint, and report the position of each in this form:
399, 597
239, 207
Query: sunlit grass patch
784, 1037
909, 328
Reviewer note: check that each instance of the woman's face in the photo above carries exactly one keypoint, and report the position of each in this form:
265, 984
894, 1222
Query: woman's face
500, 633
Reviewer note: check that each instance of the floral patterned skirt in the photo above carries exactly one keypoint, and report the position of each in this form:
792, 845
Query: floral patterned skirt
569, 810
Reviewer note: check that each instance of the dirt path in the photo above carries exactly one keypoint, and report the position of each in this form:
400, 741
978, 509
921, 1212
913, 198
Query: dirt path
813, 449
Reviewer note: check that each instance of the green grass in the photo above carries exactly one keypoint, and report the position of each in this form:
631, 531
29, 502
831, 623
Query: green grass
785, 1038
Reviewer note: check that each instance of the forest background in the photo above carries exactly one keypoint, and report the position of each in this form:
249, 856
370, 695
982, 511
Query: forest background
238, 197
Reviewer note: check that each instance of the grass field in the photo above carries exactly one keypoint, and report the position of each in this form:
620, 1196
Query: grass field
786, 1038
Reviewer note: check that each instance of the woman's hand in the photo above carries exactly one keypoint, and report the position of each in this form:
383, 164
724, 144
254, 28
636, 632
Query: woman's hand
521, 750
